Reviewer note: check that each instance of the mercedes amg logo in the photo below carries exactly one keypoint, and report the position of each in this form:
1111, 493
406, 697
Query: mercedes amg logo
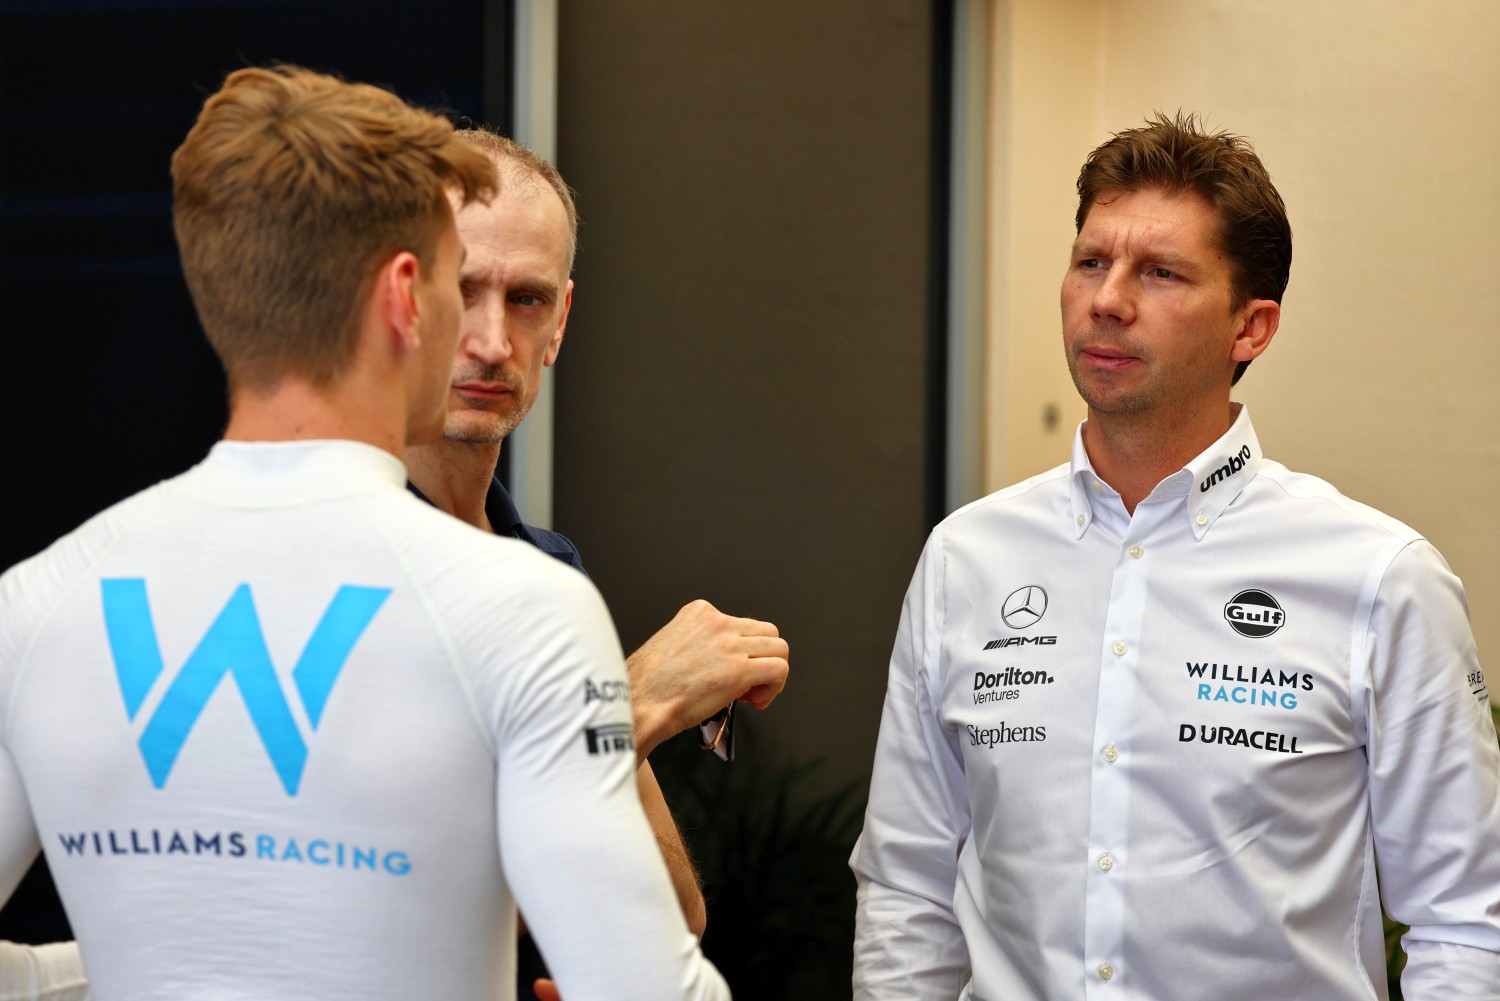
1024, 607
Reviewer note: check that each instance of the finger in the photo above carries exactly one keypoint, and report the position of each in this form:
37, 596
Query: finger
760, 696
769, 674
755, 627
763, 646
546, 990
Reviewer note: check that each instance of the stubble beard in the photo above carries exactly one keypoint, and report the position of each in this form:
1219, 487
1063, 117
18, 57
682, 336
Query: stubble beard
1163, 395
492, 430
1133, 402
488, 427
1096, 394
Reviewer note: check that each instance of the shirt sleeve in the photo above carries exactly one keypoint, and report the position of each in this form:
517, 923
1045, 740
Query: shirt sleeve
42, 973
19, 845
907, 942
574, 841
1434, 768
27, 973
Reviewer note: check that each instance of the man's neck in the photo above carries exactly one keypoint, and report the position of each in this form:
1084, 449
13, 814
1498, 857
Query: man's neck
1135, 452
455, 476
295, 410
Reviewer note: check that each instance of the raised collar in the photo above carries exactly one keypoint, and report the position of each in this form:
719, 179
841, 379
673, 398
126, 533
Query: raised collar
285, 473
1209, 483
501, 511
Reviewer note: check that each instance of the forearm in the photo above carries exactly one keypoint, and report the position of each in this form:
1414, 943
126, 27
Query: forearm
679, 863
653, 723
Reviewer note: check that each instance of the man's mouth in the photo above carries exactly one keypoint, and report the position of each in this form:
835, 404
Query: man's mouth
482, 390
1106, 357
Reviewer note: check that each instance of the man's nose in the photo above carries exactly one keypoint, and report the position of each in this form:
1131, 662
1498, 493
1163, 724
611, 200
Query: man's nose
485, 336
1114, 296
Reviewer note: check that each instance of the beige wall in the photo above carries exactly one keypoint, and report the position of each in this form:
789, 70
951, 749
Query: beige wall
1380, 122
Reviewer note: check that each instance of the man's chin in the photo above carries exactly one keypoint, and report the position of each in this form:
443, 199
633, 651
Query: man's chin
476, 433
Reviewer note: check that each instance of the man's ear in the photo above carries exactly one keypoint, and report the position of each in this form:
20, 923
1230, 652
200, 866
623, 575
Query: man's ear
555, 345
395, 290
1261, 317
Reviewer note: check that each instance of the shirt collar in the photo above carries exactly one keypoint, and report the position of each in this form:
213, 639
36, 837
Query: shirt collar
1213, 479
501, 510
291, 472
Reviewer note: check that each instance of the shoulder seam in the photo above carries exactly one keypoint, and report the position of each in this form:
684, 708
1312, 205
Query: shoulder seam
438, 623
22, 662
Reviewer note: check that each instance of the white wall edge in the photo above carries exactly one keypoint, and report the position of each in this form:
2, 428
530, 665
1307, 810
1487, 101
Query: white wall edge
968, 219
530, 445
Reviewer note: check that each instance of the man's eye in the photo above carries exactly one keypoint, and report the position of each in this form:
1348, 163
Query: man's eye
526, 299
1163, 273
1090, 263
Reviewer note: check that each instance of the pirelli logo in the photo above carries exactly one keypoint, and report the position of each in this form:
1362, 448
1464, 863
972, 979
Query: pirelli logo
610, 739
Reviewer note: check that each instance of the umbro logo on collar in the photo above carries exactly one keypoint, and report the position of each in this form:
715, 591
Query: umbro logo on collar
1234, 465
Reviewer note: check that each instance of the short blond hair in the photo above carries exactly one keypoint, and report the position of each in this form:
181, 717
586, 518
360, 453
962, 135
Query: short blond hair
290, 190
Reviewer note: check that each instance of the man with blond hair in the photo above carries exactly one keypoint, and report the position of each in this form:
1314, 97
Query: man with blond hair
1154, 716
518, 291
401, 754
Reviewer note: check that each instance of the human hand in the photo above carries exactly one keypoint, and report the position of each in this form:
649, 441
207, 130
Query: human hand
696, 665
546, 990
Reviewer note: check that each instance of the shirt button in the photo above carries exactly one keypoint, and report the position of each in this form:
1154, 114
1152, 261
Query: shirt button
1202, 519
1136, 552
1119, 648
1111, 754
1098, 487
1080, 519
1106, 862
1106, 971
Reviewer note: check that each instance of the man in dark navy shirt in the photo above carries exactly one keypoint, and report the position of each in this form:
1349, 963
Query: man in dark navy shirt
517, 293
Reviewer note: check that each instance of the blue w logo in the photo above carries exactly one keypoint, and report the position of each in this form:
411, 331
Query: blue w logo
235, 646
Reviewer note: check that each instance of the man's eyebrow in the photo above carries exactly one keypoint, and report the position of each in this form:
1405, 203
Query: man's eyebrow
1172, 262
1162, 258
538, 286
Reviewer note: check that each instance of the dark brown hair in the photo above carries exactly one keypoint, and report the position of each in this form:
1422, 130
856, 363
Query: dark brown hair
1178, 155
290, 191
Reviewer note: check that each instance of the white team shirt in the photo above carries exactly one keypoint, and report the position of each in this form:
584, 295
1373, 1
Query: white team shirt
285, 731
1156, 757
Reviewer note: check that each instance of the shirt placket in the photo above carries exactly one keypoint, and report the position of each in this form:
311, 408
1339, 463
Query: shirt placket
1108, 859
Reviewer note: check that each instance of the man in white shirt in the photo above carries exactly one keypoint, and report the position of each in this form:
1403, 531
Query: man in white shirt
407, 748
517, 294
1153, 715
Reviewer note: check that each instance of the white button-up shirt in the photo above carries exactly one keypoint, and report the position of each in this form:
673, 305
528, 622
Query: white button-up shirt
1157, 756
